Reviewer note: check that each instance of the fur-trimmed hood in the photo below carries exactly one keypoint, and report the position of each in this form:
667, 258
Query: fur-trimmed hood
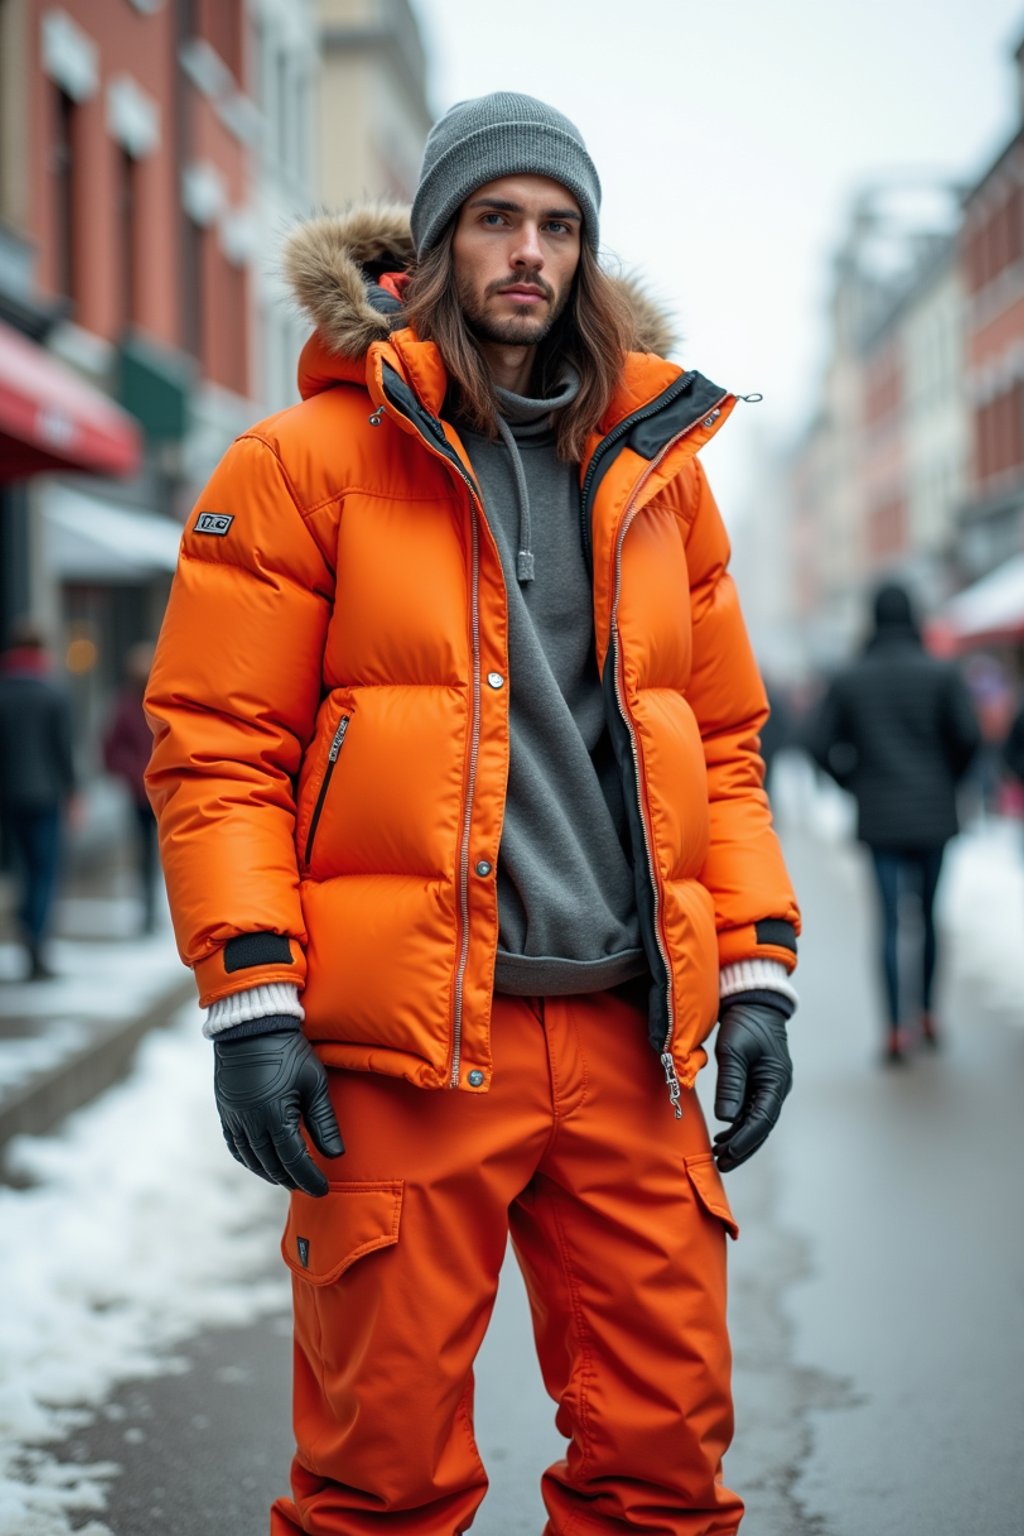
332, 265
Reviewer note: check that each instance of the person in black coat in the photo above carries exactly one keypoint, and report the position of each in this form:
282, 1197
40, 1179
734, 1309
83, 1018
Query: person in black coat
1013, 747
37, 780
897, 729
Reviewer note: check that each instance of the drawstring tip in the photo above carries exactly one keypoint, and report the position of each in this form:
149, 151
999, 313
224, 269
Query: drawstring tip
524, 565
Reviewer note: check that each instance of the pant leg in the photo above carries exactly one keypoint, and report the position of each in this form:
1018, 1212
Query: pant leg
930, 870
395, 1273
148, 863
621, 1239
35, 835
887, 865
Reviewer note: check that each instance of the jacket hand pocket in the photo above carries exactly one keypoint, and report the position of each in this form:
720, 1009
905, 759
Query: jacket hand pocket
333, 753
323, 1237
710, 1191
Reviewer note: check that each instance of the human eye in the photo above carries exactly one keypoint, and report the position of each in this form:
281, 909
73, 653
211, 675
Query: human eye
492, 220
558, 227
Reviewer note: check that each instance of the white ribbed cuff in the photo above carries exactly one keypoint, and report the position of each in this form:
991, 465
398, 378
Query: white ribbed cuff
756, 976
254, 1003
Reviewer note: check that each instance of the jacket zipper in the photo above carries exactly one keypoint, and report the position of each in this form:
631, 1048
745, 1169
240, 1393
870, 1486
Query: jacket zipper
615, 435
665, 1055
332, 758
474, 750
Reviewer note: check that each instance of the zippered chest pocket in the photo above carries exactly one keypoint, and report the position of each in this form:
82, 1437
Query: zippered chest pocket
337, 742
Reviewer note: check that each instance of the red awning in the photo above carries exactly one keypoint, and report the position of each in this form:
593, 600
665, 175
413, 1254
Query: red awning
991, 612
51, 419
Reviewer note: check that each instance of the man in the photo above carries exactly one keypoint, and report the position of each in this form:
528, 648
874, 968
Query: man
1013, 747
37, 781
456, 769
898, 730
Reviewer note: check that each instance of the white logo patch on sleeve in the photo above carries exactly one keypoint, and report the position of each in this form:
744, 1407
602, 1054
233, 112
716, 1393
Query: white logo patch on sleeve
213, 522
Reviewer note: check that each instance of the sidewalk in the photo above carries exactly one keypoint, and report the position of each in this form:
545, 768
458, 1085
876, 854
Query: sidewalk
63, 1042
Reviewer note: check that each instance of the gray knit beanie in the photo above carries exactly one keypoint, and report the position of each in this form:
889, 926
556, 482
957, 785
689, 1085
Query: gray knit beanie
503, 134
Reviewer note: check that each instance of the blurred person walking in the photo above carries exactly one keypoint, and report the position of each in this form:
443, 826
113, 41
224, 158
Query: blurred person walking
776, 735
37, 781
897, 729
456, 768
127, 744
1013, 747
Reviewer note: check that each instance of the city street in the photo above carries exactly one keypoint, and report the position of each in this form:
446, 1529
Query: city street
876, 1302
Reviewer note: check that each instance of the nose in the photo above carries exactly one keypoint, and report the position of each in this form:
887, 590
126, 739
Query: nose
527, 249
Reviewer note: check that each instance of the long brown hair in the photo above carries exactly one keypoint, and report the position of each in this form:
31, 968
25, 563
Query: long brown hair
593, 333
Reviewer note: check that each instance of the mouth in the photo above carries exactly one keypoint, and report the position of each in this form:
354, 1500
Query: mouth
524, 295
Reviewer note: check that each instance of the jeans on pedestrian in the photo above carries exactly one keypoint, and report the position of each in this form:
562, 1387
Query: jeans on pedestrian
148, 861
899, 871
32, 836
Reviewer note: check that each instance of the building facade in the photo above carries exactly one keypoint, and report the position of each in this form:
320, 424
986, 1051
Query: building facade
374, 114
126, 136
992, 257
285, 86
921, 432
154, 155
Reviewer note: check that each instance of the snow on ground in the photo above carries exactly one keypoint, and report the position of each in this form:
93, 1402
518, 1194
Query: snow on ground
981, 912
98, 985
137, 1231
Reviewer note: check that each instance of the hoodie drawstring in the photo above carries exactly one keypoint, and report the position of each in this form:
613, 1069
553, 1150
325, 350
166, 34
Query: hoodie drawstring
524, 556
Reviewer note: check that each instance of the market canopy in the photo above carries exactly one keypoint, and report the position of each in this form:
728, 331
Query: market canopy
95, 540
990, 611
50, 419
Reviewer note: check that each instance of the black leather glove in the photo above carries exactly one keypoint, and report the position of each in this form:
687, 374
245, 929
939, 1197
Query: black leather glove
262, 1085
754, 1076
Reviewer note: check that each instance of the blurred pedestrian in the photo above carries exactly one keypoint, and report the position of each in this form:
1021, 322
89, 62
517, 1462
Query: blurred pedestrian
1013, 747
37, 781
988, 681
127, 744
456, 728
898, 730
776, 734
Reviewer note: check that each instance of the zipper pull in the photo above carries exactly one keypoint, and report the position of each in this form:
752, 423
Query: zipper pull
753, 399
674, 1086
339, 737
375, 419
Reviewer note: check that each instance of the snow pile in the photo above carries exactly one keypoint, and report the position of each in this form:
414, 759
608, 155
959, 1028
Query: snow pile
981, 912
138, 1230
56, 1020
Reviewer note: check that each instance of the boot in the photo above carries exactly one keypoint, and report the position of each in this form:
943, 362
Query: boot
929, 1031
895, 1048
38, 970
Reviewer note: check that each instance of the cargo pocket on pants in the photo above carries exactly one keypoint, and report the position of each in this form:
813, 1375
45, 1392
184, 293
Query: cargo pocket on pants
323, 1237
710, 1191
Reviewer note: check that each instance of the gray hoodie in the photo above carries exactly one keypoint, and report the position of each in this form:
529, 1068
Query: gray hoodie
566, 904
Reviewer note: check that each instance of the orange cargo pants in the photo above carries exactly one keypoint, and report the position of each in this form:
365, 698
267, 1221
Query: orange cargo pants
618, 1218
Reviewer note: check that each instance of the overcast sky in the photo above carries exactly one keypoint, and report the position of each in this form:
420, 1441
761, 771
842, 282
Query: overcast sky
729, 139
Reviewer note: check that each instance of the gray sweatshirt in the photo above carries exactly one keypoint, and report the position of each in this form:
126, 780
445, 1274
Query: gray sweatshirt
566, 897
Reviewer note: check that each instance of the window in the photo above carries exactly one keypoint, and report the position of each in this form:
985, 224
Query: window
127, 214
194, 288
62, 164
220, 24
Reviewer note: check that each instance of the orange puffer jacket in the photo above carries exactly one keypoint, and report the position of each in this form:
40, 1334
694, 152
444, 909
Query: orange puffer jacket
330, 708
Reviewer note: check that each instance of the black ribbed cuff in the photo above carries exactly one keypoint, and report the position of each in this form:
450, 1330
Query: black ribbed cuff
763, 995
272, 1024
